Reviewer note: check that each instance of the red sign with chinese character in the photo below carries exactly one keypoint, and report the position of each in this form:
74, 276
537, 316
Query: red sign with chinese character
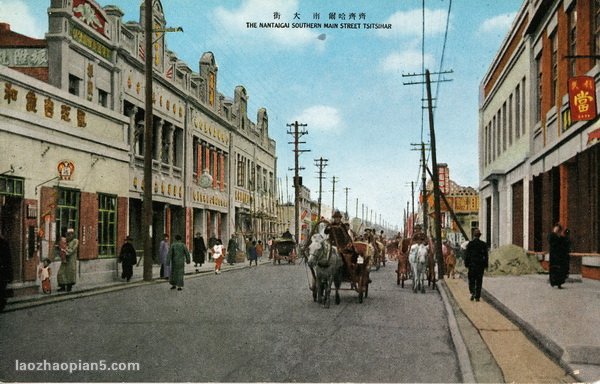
582, 98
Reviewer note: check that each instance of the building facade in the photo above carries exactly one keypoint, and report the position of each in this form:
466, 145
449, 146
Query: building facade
73, 134
537, 165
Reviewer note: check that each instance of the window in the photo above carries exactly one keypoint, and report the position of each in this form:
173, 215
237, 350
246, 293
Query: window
504, 127
74, 85
554, 73
572, 39
518, 111
522, 109
494, 138
596, 26
538, 106
107, 225
67, 211
11, 186
510, 120
241, 174
102, 98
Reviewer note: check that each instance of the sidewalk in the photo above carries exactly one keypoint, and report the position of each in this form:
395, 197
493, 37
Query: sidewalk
83, 288
562, 323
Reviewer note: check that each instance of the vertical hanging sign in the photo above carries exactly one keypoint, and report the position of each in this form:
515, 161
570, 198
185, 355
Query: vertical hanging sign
582, 98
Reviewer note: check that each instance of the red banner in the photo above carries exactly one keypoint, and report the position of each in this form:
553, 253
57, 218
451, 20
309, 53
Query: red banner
582, 98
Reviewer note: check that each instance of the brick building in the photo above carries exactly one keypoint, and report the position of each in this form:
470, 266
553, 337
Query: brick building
537, 165
72, 142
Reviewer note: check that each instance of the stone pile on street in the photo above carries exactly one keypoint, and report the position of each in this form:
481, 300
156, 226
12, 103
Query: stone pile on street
508, 260
512, 260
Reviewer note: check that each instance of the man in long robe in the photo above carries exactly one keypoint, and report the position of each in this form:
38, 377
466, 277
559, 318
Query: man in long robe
178, 256
67, 273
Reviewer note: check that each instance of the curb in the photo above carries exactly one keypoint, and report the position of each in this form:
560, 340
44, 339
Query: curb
464, 362
30, 302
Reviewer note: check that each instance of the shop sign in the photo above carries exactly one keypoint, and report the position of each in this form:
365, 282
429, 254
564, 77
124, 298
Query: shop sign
66, 168
582, 98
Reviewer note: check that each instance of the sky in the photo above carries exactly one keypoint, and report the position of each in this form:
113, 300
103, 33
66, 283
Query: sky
349, 86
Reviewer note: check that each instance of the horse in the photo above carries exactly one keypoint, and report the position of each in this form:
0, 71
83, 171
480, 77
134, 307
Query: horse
449, 260
327, 262
418, 261
402, 251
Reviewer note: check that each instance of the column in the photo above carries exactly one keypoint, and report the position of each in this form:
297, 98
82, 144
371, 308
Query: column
158, 139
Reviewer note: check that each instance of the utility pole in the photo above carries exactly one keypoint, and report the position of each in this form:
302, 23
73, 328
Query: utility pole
333, 180
297, 133
148, 144
321, 163
435, 176
346, 190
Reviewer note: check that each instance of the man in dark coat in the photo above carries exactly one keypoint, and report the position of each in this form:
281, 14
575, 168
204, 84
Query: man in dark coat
127, 258
476, 260
232, 249
199, 253
559, 256
178, 256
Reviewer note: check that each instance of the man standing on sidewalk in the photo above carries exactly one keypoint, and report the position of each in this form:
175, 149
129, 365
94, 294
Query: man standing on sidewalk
476, 260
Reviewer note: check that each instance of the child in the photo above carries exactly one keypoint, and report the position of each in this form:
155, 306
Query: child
44, 273
62, 248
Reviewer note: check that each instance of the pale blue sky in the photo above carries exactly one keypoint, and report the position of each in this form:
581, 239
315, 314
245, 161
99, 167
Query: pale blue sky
347, 85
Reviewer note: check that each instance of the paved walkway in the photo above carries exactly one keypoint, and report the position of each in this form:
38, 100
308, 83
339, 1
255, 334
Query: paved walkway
82, 289
521, 316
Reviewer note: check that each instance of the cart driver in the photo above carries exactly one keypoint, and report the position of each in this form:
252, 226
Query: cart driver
338, 231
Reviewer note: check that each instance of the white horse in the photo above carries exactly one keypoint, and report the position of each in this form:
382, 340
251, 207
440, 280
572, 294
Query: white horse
418, 262
324, 258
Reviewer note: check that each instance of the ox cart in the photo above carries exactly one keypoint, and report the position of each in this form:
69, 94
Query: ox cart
283, 248
354, 257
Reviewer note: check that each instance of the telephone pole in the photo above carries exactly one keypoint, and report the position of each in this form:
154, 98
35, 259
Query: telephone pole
333, 180
321, 163
297, 133
148, 140
435, 177
346, 190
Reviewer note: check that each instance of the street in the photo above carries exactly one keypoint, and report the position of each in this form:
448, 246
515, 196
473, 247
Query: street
254, 324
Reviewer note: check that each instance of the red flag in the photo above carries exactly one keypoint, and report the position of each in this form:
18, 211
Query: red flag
582, 98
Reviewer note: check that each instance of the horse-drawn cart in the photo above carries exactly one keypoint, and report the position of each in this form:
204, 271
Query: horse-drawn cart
348, 261
284, 248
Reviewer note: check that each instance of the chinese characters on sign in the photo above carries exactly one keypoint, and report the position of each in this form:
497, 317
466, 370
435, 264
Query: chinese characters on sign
334, 20
582, 98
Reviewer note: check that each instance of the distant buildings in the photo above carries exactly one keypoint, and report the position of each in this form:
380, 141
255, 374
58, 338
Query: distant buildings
538, 165
71, 131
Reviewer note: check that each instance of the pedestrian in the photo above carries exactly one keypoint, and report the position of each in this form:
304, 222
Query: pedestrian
177, 256
199, 253
67, 273
127, 258
44, 273
163, 252
271, 247
559, 244
217, 255
5, 270
476, 260
252, 255
232, 249
259, 250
